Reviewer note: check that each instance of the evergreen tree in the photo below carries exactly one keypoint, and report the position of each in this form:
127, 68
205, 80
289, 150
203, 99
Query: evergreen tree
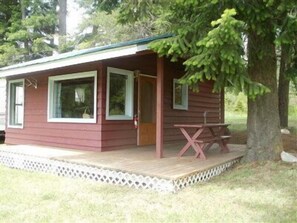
8, 9
210, 36
29, 30
102, 25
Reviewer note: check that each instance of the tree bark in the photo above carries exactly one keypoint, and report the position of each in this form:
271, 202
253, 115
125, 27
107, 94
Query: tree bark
62, 17
26, 42
283, 89
263, 125
62, 21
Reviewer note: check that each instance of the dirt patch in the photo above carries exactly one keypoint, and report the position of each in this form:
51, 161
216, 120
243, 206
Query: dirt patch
289, 141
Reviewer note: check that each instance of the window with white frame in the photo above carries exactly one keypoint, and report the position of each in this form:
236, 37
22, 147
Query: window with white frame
119, 94
16, 103
72, 97
180, 95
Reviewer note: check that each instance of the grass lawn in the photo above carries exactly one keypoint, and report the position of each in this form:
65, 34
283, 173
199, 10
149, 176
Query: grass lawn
258, 192
238, 122
238, 130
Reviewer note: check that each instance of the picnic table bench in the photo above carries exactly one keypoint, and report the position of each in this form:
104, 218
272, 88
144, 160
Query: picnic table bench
199, 142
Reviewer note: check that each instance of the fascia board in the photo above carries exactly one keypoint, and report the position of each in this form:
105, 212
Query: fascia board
91, 57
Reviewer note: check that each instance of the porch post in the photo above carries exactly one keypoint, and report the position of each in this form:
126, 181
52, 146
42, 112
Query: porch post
160, 102
222, 108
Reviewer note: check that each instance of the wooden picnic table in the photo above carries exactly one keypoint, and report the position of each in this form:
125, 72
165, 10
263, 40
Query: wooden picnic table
200, 142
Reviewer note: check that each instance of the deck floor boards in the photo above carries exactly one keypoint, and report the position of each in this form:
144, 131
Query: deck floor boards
138, 160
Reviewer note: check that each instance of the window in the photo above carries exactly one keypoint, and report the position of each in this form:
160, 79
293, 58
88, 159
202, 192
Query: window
180, 95
72, 98
16, 104
119, 102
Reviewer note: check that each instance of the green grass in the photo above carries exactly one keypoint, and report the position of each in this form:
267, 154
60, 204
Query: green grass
258, 192
238, 122
293, 124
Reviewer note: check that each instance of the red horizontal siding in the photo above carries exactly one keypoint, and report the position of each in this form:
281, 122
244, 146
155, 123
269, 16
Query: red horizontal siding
16, 141
117, 134
109, 134
198, 103
36, 128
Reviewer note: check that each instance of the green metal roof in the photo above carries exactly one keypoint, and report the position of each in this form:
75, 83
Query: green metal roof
79, 53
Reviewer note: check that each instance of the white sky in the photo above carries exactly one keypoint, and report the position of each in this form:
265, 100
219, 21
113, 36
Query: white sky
74, 16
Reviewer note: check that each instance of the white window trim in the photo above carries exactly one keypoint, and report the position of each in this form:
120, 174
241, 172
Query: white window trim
129, 94
9, 103
185, 96
51, 97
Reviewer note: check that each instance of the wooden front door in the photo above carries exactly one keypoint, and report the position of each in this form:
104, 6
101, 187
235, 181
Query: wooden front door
146, 134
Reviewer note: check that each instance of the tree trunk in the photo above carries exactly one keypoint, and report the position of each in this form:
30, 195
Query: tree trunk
62, 17
263, 125
283, 88
62, 22
26, 41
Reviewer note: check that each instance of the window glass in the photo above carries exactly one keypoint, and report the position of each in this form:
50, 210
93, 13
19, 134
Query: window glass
178, 100
117, 94
73, 97
16, 103
119, 103
180, 95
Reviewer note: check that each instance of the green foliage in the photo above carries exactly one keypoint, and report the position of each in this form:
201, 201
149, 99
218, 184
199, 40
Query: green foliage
288, 37
218, 57
66, 44
99, 5
132, 11
101, 28
105, 21
214, 48
27, 28
235, 103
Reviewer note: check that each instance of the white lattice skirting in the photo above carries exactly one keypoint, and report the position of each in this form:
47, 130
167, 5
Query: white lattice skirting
75, 170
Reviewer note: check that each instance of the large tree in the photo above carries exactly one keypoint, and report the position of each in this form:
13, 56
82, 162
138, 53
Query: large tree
213, 36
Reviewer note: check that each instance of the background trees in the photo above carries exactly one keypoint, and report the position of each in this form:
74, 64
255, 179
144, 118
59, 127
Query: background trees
107, 22
8, 9
28, 29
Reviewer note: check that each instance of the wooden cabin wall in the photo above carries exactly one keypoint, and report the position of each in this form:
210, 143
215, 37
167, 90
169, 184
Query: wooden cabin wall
117, 134
38, 131
198, 103
122, 134
109, 134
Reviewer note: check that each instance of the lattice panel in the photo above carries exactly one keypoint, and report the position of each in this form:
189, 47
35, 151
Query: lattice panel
204, 175
74, 170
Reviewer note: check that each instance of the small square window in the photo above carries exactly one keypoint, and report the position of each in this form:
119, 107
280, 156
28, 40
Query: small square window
180, 95
119, 94
72, 98
16, 103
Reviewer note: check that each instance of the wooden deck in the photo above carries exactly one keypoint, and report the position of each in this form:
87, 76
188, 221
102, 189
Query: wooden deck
138, 160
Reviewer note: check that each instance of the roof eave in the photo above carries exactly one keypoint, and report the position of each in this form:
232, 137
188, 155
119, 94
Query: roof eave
79, 59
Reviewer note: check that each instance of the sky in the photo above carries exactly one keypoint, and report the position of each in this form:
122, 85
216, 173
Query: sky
74, 16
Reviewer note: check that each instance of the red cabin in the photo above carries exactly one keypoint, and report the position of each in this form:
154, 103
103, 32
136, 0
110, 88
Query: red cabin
103, 99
